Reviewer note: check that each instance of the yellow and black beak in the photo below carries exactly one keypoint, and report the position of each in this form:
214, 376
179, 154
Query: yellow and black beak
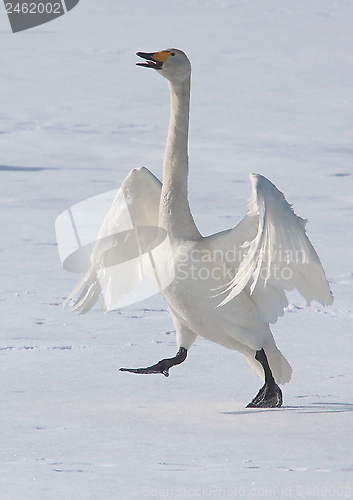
154, 60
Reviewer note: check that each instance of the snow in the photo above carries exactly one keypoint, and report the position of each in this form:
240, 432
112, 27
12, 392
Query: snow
272, 93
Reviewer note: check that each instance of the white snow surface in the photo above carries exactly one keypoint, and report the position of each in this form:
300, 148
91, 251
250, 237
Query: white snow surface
272, 93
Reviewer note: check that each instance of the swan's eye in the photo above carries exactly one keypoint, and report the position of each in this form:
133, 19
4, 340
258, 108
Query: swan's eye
172, 53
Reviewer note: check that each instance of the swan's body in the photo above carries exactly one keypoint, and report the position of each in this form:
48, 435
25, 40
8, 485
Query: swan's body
229, 286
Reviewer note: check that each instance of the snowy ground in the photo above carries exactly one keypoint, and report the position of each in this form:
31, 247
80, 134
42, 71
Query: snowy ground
272, 93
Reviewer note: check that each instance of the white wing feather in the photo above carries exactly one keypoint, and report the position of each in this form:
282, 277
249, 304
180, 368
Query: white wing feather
280, 257
112, 268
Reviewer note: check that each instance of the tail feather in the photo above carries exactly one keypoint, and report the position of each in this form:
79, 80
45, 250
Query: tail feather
281, 369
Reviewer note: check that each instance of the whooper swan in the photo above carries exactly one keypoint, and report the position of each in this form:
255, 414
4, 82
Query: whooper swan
226, 287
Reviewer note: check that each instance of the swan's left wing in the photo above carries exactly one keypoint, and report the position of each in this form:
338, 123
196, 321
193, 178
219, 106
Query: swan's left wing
278, 256
126, 248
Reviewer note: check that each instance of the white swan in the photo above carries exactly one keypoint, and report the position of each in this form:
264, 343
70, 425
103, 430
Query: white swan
227, 287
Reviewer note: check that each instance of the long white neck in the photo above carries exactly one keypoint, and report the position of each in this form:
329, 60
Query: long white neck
175, 215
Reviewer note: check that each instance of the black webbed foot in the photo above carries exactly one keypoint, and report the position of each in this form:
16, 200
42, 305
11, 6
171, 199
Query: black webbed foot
270, 395
267, 398
162, 366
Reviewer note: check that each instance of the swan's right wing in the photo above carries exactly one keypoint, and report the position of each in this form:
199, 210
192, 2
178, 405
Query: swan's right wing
117, 263
274, 254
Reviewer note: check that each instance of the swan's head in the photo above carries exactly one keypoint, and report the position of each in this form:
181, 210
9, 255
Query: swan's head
173, 64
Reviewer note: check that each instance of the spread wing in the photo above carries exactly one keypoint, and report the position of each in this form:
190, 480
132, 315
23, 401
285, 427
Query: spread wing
276, 254
122, 254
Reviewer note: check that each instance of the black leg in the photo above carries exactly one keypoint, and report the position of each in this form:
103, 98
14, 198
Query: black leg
270, 395
162, 366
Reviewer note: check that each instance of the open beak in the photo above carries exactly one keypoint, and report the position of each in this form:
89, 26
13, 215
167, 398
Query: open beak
154, 60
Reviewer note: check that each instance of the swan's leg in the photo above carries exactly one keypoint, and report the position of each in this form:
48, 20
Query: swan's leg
185, 337
270, 395
162, 366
